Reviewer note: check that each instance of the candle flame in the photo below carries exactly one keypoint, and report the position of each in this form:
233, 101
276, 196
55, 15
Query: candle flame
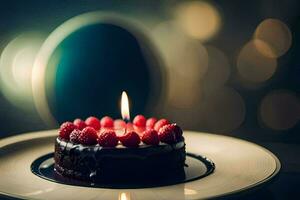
125, 107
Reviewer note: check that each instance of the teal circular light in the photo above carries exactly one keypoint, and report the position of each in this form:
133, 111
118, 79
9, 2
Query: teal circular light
87, 62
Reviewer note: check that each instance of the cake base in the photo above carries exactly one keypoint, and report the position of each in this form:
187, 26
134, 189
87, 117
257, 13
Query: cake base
198, 167
103, 164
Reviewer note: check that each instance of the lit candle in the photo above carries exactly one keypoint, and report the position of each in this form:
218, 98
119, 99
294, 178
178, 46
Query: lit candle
125, 113
125, 107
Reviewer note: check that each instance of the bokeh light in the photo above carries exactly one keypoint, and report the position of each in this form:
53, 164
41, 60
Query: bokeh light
280, 110
16, 65
223, 109
218, 68
198, 19
276, 34
254, 66
186, 61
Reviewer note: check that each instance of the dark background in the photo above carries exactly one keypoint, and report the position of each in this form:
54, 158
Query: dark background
239, 20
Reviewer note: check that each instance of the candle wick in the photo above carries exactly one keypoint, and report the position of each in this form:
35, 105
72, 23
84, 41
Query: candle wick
126, 121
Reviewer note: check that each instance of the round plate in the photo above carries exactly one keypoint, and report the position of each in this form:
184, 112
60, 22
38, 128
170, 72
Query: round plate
240, 165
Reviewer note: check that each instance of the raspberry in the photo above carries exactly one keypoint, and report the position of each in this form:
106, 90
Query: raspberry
74, 136
79, 123
93, 122
130, 139
88, 136
119, 124
66, 129
139, 130
151, 122
129, 127
150, 137
139, 120
160, 123
107, 122
108, 138
170, 133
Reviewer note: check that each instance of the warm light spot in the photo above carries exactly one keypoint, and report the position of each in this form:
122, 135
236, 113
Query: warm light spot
264, 48
218, 68
252, 65
125, 107
198, 19
276, 34
224, 110
124, 196
16, 63
280, 110
189, 191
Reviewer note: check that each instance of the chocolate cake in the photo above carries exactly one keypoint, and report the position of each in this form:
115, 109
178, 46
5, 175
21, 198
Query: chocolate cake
124, 161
